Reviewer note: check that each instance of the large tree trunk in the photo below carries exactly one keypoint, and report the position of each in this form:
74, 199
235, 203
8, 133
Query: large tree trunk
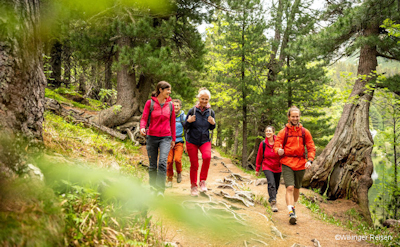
67, 62
131, 96
22, 81
345, 166
55, 62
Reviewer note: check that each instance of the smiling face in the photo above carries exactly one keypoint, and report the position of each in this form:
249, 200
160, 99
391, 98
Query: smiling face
165, 92
203, 100
294, 118
269, 132
177, 107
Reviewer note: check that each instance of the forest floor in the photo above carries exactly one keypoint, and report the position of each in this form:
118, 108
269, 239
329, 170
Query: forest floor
308, 227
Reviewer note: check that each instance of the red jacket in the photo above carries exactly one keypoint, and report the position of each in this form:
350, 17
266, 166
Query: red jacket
271, 159
161, 122
294, 147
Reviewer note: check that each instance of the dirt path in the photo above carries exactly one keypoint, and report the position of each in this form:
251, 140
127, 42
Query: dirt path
258, 227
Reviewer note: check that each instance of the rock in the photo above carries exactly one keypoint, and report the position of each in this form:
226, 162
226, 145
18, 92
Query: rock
34, 172
261, 181
391, 222
316, 242
114, 165
216, 157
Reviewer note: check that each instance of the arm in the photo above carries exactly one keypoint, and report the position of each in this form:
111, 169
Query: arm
173, 124
212, 126
145, 117
259, 157
279, 141
310, 146
186, 124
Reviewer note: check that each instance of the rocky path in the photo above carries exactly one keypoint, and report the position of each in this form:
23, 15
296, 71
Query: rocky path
259, 227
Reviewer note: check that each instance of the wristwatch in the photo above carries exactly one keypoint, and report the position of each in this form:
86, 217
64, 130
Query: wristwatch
310, 161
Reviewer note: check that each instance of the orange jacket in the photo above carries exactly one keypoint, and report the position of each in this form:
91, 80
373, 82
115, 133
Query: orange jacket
294, 147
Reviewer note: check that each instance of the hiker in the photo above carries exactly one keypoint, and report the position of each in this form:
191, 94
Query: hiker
175, 154
159, 116
199, 121
268, 160
290, 146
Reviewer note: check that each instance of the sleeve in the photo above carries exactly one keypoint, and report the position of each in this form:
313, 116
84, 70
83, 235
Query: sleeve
173, 123
310, 145
259, 157
213, 115
279, 140
145, 115
186, 124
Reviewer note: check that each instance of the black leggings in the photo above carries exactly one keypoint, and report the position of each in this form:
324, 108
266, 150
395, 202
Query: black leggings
273, 183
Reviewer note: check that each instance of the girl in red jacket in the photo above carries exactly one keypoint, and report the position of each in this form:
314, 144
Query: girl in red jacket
269, 161
159, 115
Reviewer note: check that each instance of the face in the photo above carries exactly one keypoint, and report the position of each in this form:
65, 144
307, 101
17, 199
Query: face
177, 107
294, 118
165, 92
269, 132
203, 100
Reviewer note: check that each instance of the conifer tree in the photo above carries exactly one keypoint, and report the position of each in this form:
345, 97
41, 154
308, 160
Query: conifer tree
345, 166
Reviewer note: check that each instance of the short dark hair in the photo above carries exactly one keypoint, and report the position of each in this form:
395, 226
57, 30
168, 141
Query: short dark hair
177, 101
161, 84
270, 126
293, 108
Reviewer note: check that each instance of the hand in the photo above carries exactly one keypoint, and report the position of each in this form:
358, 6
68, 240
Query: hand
191, 118
308, 165
211, 120
172, 144
281, 152
184, 148
257, 174
143, 132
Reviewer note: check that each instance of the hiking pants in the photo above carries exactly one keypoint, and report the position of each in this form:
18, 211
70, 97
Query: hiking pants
158, 173
192, 150
175, 154
273, 179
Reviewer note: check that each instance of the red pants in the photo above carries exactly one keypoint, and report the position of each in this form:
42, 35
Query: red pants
192, 150
175, 154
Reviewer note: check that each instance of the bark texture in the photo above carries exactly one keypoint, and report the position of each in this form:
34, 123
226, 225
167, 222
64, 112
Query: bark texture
345, 166
22, 81
131, 95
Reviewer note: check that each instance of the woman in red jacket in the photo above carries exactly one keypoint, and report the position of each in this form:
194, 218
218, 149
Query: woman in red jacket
159, 116
269, 161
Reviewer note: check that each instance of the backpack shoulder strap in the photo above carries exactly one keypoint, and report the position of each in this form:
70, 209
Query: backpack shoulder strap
181, 118
264, 146
170, 109
303, 134
286, 136
151, 110
193, 110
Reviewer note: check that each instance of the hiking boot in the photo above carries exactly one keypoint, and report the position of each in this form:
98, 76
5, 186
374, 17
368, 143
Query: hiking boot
293, 218
169, 184
273, 206
194, 191
203, 187
179, 178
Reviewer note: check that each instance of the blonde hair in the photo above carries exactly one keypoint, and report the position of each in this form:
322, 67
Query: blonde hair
204, 90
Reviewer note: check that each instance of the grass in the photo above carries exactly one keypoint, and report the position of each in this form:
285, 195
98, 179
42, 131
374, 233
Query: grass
94, 105
355, 223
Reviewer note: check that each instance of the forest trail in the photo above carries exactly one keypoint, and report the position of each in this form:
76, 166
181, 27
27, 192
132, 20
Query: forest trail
306, 229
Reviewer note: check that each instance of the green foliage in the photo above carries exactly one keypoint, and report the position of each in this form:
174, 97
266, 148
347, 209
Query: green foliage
56, 94
30, 214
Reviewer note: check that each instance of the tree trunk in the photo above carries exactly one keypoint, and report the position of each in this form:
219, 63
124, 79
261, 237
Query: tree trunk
236, 143
345, 166
22, 81
55, 62
67, 62
127, 96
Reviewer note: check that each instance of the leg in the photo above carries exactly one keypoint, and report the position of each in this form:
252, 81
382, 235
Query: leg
165, 146
298, 180
170, 165
205, 150
277, 177
178, 157
271, 185
194, 162
152, 153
